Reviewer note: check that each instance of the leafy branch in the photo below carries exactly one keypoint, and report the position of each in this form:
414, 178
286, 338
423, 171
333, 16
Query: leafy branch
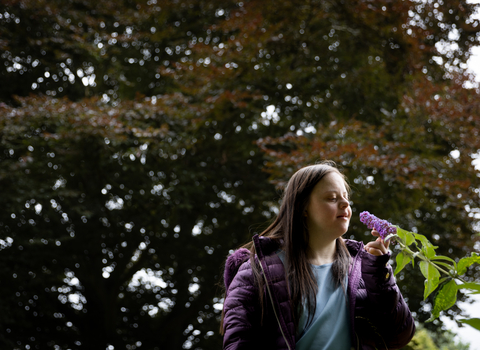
439, 271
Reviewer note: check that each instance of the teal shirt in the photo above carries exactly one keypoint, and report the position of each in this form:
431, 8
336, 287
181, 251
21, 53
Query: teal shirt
329, 329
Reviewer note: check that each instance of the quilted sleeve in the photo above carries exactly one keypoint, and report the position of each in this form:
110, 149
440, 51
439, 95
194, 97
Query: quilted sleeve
242, 312
389, 312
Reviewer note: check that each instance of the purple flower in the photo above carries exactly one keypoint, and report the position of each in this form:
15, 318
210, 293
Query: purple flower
383, 227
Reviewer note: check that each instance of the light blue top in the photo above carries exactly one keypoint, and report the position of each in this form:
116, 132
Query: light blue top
329, 329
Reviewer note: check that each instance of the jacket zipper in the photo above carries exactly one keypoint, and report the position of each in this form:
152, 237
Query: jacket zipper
273, 305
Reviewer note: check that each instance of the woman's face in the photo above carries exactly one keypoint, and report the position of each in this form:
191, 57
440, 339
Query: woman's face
328, 210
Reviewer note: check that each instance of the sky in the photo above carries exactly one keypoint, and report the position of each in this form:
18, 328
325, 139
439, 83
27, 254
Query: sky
474, 62
466, 333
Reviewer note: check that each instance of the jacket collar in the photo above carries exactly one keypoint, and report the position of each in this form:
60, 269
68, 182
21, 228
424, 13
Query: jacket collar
233, 263
266, 246
354, 247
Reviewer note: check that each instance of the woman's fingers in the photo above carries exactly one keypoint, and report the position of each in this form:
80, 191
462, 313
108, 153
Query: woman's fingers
386, 244
377, 247
373, 251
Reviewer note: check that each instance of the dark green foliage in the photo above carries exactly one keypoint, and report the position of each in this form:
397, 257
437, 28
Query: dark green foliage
96, 194
150, 120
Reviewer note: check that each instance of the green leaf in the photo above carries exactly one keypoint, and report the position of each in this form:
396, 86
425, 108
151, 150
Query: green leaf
406, 236
432, 277
445, 299
402, 259
474, 322
470, 286
428, 251
442, 257
401, 233
444, 264
410, 238
427, 248
464, 263
422, 239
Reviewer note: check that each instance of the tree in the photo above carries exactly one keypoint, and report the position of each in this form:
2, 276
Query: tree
98, 194
327, 71
95, 48
141, 152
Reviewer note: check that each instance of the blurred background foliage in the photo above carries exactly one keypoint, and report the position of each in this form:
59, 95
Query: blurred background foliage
427, 340
141, 141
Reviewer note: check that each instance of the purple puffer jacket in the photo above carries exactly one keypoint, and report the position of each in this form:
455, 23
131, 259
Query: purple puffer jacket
380, 319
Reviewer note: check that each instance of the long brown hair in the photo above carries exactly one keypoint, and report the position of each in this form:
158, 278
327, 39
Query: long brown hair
290, 232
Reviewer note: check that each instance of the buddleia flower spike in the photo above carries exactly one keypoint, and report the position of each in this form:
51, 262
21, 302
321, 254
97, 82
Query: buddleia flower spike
383, 227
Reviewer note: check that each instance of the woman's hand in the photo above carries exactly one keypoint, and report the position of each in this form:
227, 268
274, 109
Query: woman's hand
377, 247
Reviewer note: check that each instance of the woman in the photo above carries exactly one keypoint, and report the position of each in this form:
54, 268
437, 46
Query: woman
300, 285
